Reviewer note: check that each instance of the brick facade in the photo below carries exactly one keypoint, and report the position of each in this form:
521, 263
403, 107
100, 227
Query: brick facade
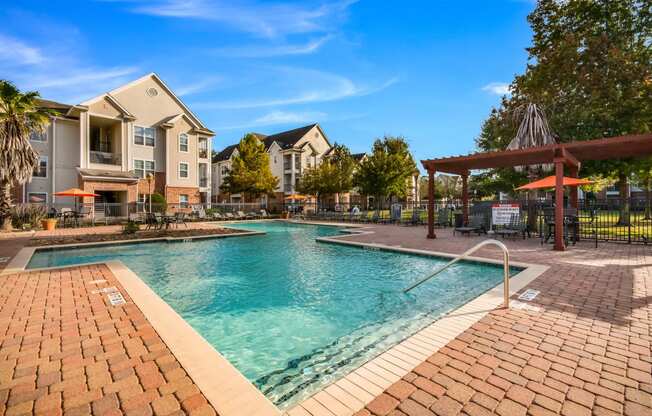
94, 186
158, 184
172, 195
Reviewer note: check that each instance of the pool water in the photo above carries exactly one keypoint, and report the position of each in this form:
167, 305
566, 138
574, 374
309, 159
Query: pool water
292, 314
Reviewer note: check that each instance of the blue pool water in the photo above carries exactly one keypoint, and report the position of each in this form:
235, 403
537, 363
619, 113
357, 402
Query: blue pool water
290, 313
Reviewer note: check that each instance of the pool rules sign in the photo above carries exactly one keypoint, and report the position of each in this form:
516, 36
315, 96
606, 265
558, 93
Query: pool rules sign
501, 214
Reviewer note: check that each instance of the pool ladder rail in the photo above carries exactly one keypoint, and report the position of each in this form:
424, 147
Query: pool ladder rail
465, 255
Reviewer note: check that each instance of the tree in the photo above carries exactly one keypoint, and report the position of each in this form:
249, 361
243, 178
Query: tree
250, 173
20, 115
333, 176
386, 171
589, 68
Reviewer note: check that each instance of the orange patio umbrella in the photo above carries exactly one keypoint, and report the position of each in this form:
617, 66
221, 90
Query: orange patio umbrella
75, 193
296, 197
551, 181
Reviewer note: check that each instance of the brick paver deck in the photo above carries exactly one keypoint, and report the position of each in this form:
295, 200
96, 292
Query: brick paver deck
65, 350
587, 351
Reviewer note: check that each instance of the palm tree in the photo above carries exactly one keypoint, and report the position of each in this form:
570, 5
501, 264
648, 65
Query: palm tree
19, 116
533, 131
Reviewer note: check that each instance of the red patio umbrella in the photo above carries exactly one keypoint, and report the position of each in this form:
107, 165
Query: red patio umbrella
75, 193
551, 181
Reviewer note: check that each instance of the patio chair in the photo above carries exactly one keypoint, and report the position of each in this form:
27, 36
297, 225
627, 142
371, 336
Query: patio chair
217, 216
180, 218
264, 214
443, 218
229, 216
513, 228
476, 225
242, 215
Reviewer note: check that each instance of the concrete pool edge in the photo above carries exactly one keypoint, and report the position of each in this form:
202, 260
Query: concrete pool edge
20, 261
227, 390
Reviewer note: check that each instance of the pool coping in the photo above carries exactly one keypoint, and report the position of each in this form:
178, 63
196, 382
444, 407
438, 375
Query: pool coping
231, 394
21, 259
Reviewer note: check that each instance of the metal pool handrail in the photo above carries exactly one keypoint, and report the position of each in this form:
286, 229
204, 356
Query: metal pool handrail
466, 254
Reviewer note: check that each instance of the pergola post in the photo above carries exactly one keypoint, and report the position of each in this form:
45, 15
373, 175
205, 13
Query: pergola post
573, 173
465, 198
559, 205
431, 204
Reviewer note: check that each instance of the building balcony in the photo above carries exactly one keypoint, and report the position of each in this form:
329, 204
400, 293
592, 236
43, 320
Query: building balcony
105, 158
203, 182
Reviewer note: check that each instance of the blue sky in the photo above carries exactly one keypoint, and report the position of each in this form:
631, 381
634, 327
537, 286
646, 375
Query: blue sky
427, 70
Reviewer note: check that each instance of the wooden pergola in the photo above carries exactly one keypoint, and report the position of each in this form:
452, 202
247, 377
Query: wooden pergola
569, 155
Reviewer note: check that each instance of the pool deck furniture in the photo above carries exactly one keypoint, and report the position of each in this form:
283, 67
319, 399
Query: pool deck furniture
581, 346
476, 225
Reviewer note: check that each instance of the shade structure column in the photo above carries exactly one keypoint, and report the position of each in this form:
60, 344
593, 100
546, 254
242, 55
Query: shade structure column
573, 197
431, 204
465, 198
559, 205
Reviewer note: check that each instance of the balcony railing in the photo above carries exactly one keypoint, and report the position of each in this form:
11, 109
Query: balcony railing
105, 158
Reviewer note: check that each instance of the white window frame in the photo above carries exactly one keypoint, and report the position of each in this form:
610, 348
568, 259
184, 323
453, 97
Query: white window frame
184, 204
43, 135
144, 139
187, 170
37, 193
145, 170
187, 143
47, 166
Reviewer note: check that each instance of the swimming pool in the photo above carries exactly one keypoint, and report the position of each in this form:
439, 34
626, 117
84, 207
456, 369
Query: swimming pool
290, 313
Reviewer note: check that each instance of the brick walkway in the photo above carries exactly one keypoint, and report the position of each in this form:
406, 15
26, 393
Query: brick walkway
65, 350
587, 351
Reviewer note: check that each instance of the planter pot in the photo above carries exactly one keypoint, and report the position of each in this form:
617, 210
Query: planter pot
49, 224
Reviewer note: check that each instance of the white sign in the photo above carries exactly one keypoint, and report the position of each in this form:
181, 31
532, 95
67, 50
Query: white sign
529, 295
501, 214
116, 298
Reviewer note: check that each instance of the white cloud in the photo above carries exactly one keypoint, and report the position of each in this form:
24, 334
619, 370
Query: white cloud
15, 52
258, 18
498, 88
310, 86
198, 86
56, 71
258, 51
280, 117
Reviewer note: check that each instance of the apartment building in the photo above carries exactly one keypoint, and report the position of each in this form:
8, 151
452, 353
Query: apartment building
109, 144
290, 152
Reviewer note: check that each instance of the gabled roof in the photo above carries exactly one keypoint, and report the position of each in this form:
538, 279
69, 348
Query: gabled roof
53, 105
286, 139
358, 157
154, 76
225, 154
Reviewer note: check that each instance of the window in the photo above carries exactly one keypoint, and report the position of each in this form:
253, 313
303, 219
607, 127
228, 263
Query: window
142, 168
225, 170
202, 146
144, 136
183, 142
37, 197
183, 200
183, 170
38, 136
41, 170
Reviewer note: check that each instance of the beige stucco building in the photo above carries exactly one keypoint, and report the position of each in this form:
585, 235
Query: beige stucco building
109, 144
290, 153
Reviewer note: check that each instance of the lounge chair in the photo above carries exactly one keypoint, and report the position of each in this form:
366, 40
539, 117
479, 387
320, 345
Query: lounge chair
217, 216
180, 218
229, 216
264, 214
514, 228
476, 225
413, 220
242, 215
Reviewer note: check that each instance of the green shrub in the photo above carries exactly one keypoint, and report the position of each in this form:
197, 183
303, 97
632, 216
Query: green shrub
130, 227
159, 204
